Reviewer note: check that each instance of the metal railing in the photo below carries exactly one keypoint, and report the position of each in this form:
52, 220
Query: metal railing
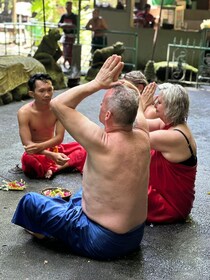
24, 38
180, 60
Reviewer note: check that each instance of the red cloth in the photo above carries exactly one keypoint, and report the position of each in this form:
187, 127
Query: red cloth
171, 190
36, 165
68, 48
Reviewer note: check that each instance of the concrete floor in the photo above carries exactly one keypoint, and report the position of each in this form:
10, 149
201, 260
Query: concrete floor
171, 252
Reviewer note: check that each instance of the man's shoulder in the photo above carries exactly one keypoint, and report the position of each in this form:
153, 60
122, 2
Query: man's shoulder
26, 107
72, 15
141, 132
25, 111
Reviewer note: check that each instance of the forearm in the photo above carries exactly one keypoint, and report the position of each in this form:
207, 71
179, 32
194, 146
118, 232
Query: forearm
140, 121
40, 148
51, 143
48, 154
72, 97
107, 77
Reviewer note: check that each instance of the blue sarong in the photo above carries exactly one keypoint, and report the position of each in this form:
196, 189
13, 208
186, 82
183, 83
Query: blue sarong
66, 221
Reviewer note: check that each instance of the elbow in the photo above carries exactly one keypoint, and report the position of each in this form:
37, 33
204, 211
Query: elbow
54, 105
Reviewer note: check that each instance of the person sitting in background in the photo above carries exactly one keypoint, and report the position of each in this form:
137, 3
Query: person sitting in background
41, 134
144, 18
139, 80
98, 25
173, 156
105, 220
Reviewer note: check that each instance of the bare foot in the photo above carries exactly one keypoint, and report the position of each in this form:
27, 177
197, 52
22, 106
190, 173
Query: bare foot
48, 174
37, 235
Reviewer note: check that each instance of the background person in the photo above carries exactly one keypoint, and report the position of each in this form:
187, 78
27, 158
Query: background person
137, 78
68, 22
120, 5
173, 157
106, 219
41, 134
98, 25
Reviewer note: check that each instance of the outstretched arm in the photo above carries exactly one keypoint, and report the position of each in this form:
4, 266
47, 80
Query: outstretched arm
81, 128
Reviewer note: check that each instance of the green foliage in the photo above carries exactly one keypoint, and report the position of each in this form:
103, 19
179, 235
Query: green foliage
165, 2
54, 9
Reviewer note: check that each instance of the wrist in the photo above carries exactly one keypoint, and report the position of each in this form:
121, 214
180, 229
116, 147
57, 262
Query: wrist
95, 85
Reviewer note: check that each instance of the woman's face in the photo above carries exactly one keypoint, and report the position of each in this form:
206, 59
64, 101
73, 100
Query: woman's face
160, 107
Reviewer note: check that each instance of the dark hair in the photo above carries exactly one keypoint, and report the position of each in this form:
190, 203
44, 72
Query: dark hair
38, 77
147, 6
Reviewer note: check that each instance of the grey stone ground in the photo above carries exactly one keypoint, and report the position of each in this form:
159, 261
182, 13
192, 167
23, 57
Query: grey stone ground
171, 252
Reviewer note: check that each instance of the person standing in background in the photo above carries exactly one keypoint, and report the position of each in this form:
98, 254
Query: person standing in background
68, 22
98, 25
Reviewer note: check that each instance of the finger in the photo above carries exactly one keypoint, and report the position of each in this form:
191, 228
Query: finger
109, 60
66, 159
118, 70
115, 62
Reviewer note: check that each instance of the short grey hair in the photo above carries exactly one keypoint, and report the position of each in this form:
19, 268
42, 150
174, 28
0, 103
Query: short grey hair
176, 101
123, 103
136, 77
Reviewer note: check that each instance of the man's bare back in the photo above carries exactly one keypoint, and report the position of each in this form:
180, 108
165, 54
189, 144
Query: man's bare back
113, 195
116, 172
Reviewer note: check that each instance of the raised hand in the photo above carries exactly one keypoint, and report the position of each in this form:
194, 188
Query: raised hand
147, 96
109, 73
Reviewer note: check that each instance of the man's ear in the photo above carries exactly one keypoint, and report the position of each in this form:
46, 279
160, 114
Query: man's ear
141, 88
108, 115
31, 93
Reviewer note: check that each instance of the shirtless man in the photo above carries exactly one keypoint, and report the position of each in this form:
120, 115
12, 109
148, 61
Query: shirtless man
41, 133
97, 25
105, 219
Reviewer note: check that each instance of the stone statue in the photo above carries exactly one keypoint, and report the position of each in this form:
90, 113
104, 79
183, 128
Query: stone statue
99, 57
15, 71
48, 53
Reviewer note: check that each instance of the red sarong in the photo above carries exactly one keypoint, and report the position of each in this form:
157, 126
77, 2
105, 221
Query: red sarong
171, 190
36, 166
68, 47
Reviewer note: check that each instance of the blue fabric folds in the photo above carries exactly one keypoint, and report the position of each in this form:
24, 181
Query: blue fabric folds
67, 222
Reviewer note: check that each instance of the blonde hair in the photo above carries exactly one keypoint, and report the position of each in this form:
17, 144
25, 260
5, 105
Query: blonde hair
176, 101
